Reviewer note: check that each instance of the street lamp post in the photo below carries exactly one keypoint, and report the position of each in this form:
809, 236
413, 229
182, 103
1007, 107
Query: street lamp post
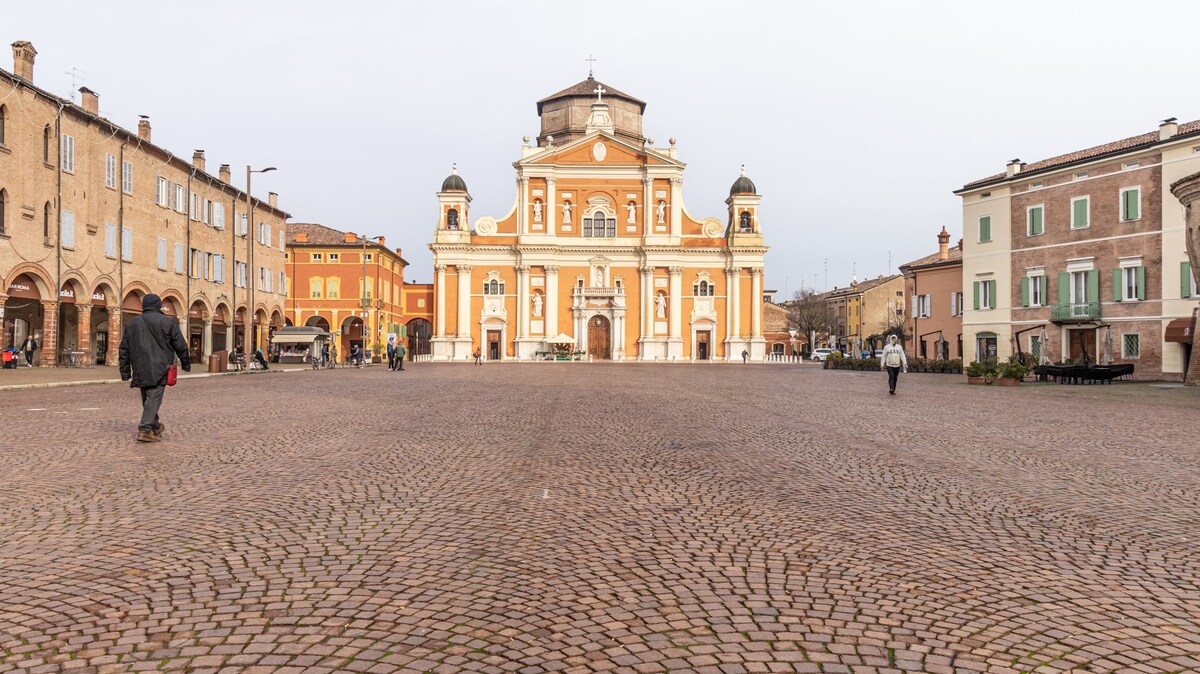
252, 338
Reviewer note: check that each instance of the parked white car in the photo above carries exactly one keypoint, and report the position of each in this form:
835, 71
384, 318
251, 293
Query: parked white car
820, 355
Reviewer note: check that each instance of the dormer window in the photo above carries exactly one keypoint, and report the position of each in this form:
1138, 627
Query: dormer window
452, 218
744, 223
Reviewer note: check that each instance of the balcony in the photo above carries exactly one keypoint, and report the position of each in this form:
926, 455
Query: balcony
1075, 313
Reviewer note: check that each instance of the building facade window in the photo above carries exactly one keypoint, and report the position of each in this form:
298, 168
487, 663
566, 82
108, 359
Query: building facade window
3, 210
1035, 219
316, 257
127, 244
1129, 283
162, 191
985, 345
110, 171
334, 287
985, 229
493, 287
1131, 204
47, 137
985, 294
3, 116
1131, 346
599, 224
1035, 347
110, 240
452, 219
334, 257
703, 289
314, 287
68, 153
1033, 289
744, 223
1187, 282
1081, 212
180, 198
46, 223
127, 177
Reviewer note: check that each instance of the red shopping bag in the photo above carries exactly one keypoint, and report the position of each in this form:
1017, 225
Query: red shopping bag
172, 374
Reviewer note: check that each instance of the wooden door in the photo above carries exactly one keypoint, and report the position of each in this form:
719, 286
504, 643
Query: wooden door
1088, 337
493, 348
702, 338
599, 338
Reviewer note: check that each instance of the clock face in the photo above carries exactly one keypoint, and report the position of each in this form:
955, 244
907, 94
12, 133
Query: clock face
599, 151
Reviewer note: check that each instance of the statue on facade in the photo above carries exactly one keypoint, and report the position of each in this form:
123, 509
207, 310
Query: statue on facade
660, 305
537, 305
566, 211
632, 209
661, 209
537, 211
599, 278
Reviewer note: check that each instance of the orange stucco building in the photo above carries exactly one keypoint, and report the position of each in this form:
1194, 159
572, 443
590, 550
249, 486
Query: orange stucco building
933, 327
598, 250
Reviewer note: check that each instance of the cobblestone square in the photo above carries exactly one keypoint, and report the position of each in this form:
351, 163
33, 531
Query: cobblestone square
585, 518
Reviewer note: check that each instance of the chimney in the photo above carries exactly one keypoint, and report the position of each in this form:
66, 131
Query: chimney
91, 100
350, 237
960, 244
23, 55
1168, 128
381, 242
273, 199
943, 244
224, 173
301, 237
1014, 167
198, 160
144, 128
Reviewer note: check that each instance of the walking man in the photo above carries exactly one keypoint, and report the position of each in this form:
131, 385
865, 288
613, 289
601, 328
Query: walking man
29, 347
893, 361
149, 346
399, 357
391, 354
745, 356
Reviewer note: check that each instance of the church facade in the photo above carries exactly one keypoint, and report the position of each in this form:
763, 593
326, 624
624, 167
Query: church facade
598, 254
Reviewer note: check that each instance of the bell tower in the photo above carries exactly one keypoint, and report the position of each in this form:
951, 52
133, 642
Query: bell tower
744, 227
453, 200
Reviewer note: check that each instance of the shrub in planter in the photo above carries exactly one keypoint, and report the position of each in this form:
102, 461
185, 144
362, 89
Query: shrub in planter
1014, 371
982, 372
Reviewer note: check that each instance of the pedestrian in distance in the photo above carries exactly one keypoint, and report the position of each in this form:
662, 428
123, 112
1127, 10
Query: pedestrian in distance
29, 347
745, 357
478, 356
149, 346
399, 357
894, 361
325, 354
391, 354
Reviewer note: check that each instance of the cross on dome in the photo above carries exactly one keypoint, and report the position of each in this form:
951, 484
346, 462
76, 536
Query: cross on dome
743, 169
590, 62
454, 169
600, 91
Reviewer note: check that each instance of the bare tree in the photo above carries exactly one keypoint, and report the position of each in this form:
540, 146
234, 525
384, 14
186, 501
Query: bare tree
810, 314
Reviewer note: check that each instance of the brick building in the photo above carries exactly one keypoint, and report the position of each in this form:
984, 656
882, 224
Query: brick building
347, 284
933, 326
93, 217
1089, 245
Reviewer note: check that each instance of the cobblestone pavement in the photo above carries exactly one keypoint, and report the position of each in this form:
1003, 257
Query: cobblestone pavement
579, 518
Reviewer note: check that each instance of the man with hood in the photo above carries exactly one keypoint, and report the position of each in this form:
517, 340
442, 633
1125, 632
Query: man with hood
893, 361
149, 346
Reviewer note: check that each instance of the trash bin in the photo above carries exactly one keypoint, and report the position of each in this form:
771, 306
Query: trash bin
214, 363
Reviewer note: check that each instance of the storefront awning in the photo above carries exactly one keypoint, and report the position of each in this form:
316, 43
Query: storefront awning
1180, 330
296, 339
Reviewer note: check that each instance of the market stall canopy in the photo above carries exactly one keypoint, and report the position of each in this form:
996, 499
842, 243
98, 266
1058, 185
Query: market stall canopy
561, 339
299, 335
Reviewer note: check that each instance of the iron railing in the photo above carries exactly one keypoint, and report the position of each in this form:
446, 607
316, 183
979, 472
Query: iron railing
1063, 313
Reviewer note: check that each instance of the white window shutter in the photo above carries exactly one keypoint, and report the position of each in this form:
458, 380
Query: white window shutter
281, 242
953, 304
916, 306
162, 253
179, 258
68, 229
110, 239
127, 244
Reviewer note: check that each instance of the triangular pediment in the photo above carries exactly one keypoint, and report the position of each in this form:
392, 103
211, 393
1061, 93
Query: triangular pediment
615, 152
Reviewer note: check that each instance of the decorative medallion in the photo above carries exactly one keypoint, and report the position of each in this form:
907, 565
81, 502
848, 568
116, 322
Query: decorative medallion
599, 151
485, 226
712, 228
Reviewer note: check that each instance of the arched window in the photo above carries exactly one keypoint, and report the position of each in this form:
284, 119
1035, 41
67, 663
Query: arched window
744, 222
3, 203
334, 288
46, 222
703, 287
46, 135
452, 218
599, 224
314, 287
3, 115
493, 287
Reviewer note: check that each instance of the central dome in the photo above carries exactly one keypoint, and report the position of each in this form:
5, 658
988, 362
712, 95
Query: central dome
565, 114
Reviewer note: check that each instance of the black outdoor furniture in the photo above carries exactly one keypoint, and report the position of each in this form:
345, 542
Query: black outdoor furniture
1084, 374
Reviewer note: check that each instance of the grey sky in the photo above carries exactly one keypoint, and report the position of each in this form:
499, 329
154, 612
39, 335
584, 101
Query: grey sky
855, 119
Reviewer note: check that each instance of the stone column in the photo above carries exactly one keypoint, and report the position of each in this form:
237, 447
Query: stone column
207, 340
111, 353
229, 336
464, 301
49, 344
551, 214
676, 303
735, 292
756, 303
522, 302
439, 311
83, 339
551, 312
1187, 191
730, 281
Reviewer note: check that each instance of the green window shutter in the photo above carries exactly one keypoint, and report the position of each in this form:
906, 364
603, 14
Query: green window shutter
1141, 283
1064, 288
1045, 281
1025, 291
1093, 281
1185, 279
1039, 225
1131, 204
1081, 213
985, 228
991, 294
1117, 283
976, 286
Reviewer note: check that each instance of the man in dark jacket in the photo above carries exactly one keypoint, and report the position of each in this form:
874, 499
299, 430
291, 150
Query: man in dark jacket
149, 345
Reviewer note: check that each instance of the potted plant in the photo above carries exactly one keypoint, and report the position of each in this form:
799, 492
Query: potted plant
1011, 374
981, 372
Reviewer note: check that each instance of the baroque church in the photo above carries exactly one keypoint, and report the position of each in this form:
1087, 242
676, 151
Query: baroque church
598, 254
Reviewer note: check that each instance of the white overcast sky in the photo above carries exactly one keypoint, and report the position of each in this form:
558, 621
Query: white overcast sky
856, 120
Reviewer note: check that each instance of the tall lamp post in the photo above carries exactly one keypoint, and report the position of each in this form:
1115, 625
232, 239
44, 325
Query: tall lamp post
250, 279
364, 300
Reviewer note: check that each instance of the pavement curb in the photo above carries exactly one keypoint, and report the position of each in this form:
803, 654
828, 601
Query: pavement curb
88, 382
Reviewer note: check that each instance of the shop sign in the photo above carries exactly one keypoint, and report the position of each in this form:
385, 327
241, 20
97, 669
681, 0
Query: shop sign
20, 288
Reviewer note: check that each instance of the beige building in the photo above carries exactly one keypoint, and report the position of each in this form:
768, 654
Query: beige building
1088, 245
93, 217
599, 252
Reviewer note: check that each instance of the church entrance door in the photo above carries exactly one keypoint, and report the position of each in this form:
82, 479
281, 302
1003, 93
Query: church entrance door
702, 344
599, 341
493, 348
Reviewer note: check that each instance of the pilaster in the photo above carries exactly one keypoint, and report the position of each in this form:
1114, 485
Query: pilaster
83, 338
49, 345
